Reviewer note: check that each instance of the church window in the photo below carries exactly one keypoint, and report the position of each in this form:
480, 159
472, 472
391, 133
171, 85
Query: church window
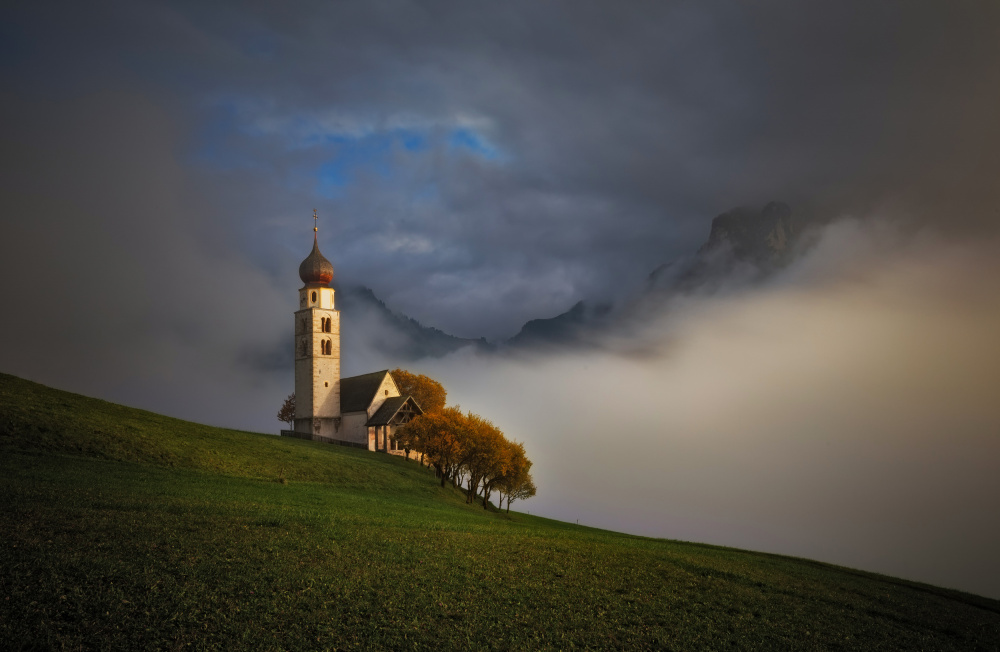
386, 392
314, 297
326, 384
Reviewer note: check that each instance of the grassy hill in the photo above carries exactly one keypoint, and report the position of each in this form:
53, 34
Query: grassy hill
127, 529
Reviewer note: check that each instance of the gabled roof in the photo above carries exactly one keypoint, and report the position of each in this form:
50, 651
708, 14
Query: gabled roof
357, 392
389, 408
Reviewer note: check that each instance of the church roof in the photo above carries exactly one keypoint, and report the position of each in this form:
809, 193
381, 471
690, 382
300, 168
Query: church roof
357, 392
316, 269
389, 408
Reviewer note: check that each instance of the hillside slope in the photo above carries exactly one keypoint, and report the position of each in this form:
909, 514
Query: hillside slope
126, 529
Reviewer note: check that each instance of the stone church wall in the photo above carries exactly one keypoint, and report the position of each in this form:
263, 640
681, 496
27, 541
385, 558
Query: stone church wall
353, 428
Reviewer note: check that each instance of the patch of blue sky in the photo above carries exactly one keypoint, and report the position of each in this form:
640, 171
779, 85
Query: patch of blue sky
359, 148
331, 179
413, 141
353, 156
469, 139
374, 153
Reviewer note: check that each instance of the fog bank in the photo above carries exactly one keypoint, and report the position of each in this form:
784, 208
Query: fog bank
845, 412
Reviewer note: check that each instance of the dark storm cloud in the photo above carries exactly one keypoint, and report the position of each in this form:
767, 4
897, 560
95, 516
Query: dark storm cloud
624, 131
621, 131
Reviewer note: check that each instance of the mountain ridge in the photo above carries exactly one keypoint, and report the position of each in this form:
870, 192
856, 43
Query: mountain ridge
743, 243
395, 334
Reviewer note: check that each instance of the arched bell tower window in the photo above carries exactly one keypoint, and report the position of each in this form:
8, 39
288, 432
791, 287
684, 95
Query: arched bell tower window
327, 347
327, 324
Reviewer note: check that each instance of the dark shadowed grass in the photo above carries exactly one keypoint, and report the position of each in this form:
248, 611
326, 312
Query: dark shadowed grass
124, 529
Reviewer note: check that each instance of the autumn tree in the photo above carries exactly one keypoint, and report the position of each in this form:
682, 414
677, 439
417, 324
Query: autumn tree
524, 489
503, 463
287, 411
518, 470
487, 456
429, 394
466, 448
439, 436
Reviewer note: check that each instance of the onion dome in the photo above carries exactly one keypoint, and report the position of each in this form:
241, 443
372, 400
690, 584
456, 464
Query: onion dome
316, 269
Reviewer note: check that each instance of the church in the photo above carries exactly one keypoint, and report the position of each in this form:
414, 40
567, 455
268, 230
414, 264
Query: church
361, 411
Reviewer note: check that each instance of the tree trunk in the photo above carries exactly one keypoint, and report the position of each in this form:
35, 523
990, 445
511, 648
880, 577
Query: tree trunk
471, 495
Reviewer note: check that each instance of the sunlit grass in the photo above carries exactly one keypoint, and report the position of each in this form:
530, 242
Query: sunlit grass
123, 529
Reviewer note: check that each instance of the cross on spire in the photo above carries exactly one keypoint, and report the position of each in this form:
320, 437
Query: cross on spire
315, 222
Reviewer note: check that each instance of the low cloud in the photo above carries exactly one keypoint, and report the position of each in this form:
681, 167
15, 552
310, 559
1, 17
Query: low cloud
845, 411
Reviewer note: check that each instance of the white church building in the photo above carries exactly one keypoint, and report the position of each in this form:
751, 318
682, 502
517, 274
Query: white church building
362, 411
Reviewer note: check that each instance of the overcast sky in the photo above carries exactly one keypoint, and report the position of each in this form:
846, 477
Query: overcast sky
481, 164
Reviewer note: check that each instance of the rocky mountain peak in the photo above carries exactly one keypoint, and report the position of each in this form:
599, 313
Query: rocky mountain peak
763, 236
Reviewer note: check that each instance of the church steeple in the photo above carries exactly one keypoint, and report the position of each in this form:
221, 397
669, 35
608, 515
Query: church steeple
317, 347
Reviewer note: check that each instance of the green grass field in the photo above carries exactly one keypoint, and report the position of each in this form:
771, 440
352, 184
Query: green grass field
124, 529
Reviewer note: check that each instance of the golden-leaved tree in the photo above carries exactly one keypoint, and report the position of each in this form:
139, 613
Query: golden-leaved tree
486, 458
516, 483
439, 436
429, 394
462, 448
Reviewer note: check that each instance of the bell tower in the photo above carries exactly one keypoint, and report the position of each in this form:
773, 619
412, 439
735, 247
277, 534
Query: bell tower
317, 347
